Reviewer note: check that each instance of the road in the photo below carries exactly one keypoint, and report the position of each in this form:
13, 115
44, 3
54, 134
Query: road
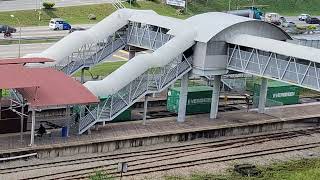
13, 5
42, 32
11, 51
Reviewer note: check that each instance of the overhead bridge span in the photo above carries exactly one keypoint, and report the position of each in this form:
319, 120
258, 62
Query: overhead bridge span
207, 45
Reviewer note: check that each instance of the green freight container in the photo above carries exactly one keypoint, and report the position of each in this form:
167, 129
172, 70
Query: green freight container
198, 101
278, 93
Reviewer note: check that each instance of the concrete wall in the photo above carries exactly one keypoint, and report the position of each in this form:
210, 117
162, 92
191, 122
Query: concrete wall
109, 146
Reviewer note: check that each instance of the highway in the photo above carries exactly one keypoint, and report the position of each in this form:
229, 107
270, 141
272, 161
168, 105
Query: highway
11, 51
13, 5
42, 32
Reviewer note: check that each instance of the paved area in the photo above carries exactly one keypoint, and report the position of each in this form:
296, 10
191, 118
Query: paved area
13, 5
125, 130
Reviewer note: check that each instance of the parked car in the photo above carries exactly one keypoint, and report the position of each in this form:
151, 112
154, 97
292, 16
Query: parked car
76, 29
288, 24
59, 24
273, 18
303, 17
312, 20
7, 29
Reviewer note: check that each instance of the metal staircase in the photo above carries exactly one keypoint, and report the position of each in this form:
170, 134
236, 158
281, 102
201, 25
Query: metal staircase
151, 81
92, 54
118, 4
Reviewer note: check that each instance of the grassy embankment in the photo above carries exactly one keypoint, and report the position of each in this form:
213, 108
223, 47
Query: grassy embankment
79, 14
306, 169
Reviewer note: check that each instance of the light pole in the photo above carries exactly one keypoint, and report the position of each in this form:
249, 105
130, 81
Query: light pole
19, 32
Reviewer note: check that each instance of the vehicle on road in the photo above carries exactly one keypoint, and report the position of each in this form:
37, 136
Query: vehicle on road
312, 20
76, 29
273, 18
286, 24
7, 35
59, 24
7, 29
303, 17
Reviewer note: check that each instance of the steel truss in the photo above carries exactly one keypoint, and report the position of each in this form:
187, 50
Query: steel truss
147, 36
151, 81
307, 42
288, 69
92, 54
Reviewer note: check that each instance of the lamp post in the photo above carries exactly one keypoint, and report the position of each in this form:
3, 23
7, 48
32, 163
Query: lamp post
19, 32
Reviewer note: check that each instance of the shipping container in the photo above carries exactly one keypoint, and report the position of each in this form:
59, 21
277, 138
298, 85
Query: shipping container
198, 101
278, 93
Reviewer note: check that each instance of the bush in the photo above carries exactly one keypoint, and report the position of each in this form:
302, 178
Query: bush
92, 17
48, 5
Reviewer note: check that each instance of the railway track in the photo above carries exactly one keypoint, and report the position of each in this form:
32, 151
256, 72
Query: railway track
149, 157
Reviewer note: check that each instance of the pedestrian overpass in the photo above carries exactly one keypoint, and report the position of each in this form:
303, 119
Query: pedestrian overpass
206, 45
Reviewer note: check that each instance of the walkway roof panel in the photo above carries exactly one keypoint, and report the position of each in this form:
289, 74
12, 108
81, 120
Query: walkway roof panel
279, 47
55, 89
24, 60
15, 76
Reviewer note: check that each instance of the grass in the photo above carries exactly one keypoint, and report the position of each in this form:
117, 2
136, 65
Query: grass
102, 69
305, 169
8, 42
79, 14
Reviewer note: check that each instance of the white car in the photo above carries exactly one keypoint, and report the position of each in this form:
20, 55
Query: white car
303, 17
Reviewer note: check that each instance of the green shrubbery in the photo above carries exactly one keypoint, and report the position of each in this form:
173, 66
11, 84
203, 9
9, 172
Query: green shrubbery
48, 4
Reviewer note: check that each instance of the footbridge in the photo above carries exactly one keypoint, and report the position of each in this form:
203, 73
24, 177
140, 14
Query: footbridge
207, 45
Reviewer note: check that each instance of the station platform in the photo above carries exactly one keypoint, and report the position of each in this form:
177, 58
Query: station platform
114, 136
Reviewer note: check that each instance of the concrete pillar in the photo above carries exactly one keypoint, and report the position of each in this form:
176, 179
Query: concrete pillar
183, 98
145, 109
132, 54
68, 119
0, 102
33, 122
263, 95
82, 75
21, 123
215, 96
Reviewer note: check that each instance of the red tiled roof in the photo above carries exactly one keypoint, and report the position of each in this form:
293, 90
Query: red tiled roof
15, 76
55, 88
24, 60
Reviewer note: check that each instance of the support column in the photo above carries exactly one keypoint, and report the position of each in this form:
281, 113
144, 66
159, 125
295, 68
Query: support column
82, 75
0, 102
183, 98
132, 54
21, 122
145, 109
33, 122
68, 119
263, 95
215, 96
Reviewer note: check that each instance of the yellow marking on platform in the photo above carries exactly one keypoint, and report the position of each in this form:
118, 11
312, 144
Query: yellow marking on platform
123, 51
120, 57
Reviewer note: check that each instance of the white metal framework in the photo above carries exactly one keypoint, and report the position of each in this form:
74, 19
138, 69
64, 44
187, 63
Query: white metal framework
147, 36
151, 81
288, 69
91, 54
308, 42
